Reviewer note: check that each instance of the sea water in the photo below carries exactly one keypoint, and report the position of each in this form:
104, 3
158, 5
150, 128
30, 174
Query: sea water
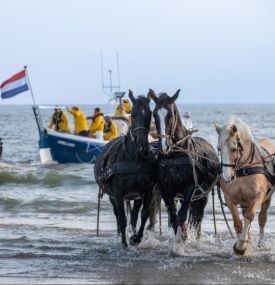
48, 217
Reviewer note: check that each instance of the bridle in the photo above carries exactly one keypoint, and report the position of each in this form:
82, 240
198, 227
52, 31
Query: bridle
133, 132
236, 165
171, 135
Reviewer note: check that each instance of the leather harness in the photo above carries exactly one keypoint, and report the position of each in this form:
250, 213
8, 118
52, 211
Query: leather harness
128, 168
180, 160
247, 171
242, 172
123, 167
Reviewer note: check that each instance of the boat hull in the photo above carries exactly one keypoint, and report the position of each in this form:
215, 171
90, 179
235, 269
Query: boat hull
68, 148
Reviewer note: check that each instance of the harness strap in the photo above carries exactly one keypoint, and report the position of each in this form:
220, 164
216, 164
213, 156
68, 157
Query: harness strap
181, 160
128, 168
242, 172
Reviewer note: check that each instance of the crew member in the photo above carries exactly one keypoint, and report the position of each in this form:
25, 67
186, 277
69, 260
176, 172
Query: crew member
120, 111
80, 123
59, 121
97, 124
110, 129
127, 106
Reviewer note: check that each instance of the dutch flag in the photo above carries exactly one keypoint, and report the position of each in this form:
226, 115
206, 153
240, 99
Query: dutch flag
14, 85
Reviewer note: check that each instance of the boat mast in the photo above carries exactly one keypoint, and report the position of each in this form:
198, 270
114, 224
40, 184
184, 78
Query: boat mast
111, 90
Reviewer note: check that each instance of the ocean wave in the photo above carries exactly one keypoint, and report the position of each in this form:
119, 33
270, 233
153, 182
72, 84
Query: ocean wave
48, 206
49, 179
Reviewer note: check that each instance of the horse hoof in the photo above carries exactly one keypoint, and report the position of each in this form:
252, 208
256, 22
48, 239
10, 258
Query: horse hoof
150, 228
135, 240
239, 251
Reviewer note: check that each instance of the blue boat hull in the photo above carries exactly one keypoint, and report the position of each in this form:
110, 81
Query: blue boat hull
67, 150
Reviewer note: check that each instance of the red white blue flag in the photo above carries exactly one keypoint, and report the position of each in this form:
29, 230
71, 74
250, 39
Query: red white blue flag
14, 85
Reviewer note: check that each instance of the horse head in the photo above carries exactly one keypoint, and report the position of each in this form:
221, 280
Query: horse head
233, 137
140, 120
166, 118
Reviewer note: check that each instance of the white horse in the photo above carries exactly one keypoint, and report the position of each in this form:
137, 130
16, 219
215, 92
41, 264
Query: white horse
247, 177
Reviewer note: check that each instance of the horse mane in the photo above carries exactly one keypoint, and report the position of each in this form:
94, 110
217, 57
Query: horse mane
243, 129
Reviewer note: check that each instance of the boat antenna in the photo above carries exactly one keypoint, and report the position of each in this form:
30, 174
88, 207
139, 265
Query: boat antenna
110, 89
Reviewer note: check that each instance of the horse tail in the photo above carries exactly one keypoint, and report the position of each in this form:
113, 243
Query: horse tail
196, 212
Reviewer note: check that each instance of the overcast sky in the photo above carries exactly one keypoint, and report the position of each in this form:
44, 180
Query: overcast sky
216, 51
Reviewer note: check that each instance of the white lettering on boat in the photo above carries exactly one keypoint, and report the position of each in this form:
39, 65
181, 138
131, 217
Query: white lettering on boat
66, 143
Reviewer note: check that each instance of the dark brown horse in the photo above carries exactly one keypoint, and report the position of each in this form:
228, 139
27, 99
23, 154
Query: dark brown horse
125, 169
176, 168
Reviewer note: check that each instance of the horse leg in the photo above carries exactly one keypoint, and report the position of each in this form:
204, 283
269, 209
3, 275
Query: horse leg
134, 214
122, 220
262, 218
154, 208
145, 212
196, 214
172, 211
116, 214
238, 226
249, 213
182, 217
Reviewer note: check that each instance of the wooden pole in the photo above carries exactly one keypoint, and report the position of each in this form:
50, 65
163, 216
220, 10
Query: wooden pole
29, 84
223, 212
213, 211
98, 211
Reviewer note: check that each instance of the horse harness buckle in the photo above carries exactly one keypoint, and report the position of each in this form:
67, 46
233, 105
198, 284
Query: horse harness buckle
245, 172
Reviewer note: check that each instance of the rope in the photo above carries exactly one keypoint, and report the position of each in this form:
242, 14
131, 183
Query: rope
179, 149
262, 160
205, 192
223, 212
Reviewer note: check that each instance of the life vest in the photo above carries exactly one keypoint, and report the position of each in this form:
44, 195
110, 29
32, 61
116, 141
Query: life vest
57, 119
107, 127
97, 124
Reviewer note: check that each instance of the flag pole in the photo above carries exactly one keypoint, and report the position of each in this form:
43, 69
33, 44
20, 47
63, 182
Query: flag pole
29, 83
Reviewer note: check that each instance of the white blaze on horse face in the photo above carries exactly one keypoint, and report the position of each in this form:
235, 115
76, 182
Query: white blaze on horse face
162, 113
226, 171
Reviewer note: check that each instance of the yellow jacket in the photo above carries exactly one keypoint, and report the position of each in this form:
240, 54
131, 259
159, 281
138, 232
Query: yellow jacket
128, 107
120, 111
80, 123
97, 124
60, 122
110, 131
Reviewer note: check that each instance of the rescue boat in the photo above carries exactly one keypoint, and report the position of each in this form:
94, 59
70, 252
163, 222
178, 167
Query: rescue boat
61, 147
